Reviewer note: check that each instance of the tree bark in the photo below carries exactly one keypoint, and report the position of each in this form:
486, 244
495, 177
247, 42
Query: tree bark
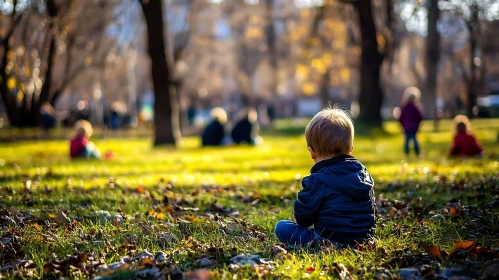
432, 53
46, 91
324, 89
473, 26
166, 119
271, 46
27, 113
7, 96
371, 95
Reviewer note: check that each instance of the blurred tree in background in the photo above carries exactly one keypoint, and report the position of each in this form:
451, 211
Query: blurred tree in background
301, 56
47, 45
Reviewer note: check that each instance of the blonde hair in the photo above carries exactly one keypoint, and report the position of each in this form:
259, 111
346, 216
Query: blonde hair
462, 124
83, 128
219, 114
330, 133
412, 94
248, 113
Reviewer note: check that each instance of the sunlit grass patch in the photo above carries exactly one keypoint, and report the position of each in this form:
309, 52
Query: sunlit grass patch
202, 207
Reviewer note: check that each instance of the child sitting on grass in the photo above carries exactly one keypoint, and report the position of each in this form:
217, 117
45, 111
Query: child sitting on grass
338, 197
465, 144
79, 145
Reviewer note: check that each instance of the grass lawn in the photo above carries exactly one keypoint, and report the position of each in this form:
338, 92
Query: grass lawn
202, 207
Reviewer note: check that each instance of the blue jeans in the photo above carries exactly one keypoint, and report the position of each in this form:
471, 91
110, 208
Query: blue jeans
408, 137
291, 233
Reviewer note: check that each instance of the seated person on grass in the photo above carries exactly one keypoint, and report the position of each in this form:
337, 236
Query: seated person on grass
247, 128
465, 143
80, 147
338, 197
214, 133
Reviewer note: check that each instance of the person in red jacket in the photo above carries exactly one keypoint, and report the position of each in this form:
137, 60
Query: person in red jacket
79, 145
465, 143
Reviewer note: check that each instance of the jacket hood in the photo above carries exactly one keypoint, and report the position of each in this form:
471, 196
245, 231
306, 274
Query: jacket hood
345, 174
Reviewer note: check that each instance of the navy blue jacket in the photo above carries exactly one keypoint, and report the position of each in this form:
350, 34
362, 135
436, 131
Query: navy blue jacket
244, 131
338, 199
213, 134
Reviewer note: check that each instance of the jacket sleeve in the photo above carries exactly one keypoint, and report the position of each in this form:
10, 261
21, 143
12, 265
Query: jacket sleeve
420, 113
478, 146
308, 202
402, 115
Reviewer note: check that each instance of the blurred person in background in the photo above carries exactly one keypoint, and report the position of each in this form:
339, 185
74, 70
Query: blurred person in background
192, 112
214, 133
80, 146
115, 118
47, 116
247, 128
465, 143
410, 118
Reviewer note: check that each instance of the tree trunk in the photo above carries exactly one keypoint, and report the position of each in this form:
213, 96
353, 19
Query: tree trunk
473, 26
272, 53
27, 114
371, 95
8, 98
324, 89
166, 119
45, 93
432, 56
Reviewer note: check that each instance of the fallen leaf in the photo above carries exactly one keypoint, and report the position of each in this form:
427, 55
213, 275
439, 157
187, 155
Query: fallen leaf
191, 218
160, 216
455, 211
200, 274
38, 228
434, 250
310, 269
141, 189
463, 247
467, 245
168, 208
52, 216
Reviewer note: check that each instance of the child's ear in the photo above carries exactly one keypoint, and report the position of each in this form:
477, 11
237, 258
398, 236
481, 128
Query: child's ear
351, 149
312, 152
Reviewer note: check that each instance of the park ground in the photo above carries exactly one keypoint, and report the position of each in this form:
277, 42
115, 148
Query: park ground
199, 213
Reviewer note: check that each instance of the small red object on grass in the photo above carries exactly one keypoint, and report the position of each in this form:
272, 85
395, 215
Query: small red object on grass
310, 269
108, 155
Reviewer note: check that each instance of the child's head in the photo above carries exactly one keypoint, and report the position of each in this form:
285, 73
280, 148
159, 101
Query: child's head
249, 114
47, 109
330, 133
219, 114
462, 124
83, 129
411, 95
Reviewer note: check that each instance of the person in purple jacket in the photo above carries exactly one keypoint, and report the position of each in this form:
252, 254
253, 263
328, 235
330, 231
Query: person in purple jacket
410, 117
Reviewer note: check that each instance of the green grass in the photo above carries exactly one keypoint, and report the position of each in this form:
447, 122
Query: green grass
38, 180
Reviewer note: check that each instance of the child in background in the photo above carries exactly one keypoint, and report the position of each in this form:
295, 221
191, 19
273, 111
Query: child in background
47, 116
338, 197
410, 119
79, 145
247, 128
465, 144
214, 133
